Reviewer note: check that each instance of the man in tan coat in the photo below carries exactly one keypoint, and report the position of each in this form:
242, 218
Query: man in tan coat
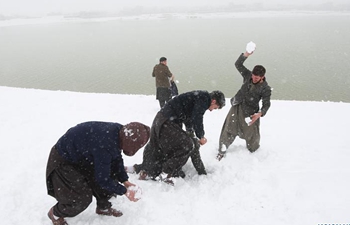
163, 76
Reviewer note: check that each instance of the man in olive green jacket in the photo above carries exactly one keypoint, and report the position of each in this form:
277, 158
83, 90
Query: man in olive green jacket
163, 76
243, 119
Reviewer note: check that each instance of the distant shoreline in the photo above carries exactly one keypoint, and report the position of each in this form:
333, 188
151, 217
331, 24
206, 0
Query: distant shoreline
5, 89
165, 16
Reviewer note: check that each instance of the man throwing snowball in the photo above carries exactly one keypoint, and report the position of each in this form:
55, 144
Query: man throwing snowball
243, 119
87, 161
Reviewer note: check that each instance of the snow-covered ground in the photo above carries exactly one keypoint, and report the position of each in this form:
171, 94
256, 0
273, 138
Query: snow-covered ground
300, 175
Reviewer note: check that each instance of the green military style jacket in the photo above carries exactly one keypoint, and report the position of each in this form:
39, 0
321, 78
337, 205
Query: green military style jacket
250, 94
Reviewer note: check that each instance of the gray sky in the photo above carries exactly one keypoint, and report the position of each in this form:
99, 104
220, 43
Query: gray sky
32, 7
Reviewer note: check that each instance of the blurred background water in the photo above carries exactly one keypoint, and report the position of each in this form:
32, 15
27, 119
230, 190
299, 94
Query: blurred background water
306, 57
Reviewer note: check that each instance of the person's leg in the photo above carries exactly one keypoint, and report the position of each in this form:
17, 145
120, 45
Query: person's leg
162, 95
229, 130
151, 161
71, 191
196, 159
250, 133
168, 95
104, 206
101, 195
176, 146
252, 136
137, 167
161, 102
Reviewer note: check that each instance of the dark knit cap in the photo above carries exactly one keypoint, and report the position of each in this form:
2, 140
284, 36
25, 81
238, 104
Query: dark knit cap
133, 136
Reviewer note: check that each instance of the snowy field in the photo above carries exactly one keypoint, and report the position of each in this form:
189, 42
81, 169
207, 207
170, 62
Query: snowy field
300, 175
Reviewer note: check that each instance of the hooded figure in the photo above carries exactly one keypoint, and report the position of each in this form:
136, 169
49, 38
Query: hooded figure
87, 161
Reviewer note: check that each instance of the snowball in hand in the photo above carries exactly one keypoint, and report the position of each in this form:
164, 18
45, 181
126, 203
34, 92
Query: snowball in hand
137, 190
248, 120
250, 47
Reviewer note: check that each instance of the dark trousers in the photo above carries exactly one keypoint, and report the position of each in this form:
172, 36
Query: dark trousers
235, 125
163, 95
73, 187
170, 151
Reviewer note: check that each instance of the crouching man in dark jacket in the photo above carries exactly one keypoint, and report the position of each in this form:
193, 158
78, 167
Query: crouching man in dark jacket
87, 161
170, 146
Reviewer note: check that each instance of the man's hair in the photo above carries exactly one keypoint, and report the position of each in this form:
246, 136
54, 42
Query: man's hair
219, 97
162, 59
259, 70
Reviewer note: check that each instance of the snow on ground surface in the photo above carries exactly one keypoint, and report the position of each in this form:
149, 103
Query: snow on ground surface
300, 175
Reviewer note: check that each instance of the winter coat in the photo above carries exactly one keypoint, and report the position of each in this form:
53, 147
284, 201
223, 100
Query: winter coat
250, 94
95, 146
188, 108
162, 74
173, 88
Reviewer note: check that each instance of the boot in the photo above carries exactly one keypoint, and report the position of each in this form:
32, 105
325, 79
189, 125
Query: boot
220, 156
179, 173
109, 212
59, 221
167, 178
143, 175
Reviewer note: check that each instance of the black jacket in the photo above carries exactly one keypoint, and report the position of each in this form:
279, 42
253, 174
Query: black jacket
188, 108
250, 94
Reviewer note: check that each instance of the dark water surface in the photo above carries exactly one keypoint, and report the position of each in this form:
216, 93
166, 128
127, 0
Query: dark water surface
306, 57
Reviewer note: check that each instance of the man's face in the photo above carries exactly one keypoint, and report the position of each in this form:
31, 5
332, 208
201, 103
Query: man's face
213, 105
256, 79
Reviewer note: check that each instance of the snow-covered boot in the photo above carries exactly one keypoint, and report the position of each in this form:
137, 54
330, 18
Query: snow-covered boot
220, 156
167, 178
